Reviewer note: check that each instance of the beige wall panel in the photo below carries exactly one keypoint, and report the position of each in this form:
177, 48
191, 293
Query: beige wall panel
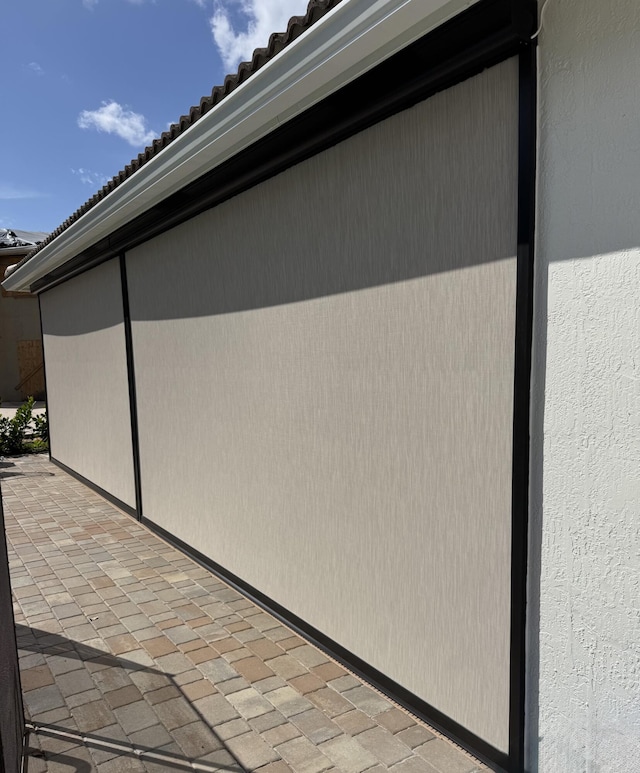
88, 397
324, 368
19, 328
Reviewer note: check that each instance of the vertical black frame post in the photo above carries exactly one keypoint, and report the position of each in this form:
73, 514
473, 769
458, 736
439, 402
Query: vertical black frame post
44, 371
522, 401
131, 380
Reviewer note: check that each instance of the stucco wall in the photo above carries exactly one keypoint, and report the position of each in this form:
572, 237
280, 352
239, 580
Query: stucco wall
586, 422
88, 391
341, 339
19, 321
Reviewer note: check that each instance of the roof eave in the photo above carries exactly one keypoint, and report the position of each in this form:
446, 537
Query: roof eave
345, 43
14, 252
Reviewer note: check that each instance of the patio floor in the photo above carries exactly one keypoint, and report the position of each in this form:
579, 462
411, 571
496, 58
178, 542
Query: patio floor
151, 663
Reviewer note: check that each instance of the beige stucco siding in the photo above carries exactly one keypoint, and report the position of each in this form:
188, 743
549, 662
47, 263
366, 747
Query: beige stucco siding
19, 328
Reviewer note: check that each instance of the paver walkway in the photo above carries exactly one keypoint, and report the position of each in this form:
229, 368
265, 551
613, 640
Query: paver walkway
158, 665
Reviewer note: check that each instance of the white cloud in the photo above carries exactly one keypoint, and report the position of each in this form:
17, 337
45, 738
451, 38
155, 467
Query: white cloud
90, 4
94, 179
113, 118
10, 192
262, 18
35, 67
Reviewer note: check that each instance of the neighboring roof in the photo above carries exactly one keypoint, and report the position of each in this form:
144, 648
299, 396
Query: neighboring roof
277, 42
10, 238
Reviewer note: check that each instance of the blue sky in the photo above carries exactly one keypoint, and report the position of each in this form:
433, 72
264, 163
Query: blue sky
86, 84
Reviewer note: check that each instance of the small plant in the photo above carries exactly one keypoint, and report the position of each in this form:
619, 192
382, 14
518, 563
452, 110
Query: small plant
41, 427
15, 432
5, 435
35, 446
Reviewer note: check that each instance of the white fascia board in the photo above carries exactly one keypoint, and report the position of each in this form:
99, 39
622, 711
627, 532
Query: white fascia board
350, 40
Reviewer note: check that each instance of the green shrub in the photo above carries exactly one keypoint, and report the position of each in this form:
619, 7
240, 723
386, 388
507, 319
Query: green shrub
41, 427
35, 446
14, 431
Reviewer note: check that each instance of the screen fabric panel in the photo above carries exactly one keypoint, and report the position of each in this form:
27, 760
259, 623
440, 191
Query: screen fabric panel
324, 366
87, 386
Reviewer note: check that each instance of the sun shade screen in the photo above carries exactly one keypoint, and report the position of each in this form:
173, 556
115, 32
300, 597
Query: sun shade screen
325, 371
87, 387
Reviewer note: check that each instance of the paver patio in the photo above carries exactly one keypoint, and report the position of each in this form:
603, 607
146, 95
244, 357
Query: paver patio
151, 663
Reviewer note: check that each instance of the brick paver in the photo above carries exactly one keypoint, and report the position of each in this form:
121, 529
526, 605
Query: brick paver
160, 666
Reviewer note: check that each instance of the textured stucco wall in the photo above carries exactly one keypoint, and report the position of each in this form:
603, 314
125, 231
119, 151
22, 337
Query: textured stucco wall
586, 421
19, 321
